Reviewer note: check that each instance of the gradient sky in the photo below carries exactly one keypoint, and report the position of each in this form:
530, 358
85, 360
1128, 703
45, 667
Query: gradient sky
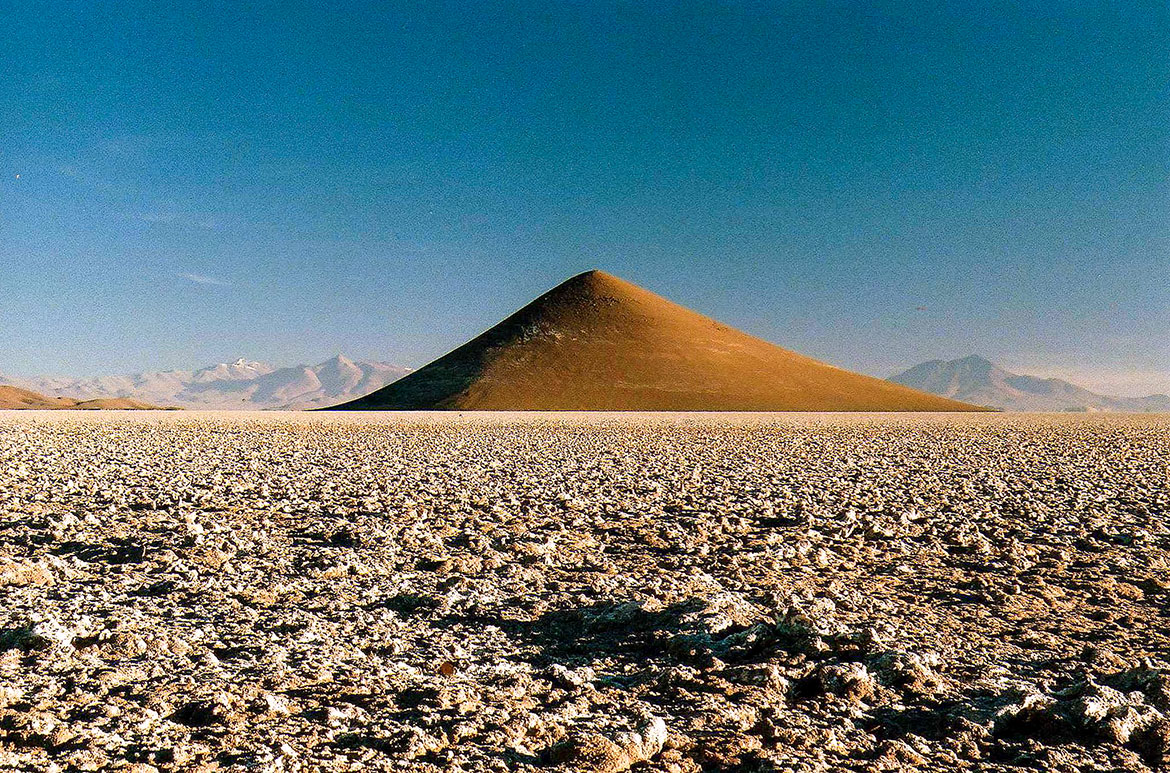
874, 184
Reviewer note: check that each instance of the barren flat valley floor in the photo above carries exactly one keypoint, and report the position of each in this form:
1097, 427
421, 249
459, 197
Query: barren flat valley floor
497, 592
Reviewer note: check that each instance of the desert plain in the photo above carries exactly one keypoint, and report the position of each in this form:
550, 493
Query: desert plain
596, 592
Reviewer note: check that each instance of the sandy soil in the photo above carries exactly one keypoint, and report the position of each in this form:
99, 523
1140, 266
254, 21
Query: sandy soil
421, 592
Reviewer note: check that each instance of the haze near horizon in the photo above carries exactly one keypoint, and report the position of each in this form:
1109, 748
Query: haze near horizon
186, 185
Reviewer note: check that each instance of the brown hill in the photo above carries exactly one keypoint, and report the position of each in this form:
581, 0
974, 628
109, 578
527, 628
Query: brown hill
15, 398
116, 404
12, 397
596, 342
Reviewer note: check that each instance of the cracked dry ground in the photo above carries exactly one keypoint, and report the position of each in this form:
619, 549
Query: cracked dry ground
507, 592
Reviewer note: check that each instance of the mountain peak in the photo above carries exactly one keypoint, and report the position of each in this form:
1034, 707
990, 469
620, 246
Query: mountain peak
975, 379
597, 342
592, 286
240, 370
592, 275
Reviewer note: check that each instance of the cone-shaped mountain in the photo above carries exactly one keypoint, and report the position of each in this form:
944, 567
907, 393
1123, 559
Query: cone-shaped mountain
598, 343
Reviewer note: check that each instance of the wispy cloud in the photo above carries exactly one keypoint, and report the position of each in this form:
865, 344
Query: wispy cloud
202, 279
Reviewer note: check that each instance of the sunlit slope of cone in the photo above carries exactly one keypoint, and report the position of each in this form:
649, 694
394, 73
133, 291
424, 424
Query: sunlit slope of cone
598, 343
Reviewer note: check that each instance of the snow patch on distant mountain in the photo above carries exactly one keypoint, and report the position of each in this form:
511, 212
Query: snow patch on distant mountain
240, 370
239, 385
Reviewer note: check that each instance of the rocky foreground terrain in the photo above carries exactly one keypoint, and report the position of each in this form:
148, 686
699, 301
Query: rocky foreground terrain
689, 593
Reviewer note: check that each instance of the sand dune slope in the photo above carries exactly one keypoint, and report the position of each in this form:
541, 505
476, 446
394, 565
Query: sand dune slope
15, 398
12, 397
596, 342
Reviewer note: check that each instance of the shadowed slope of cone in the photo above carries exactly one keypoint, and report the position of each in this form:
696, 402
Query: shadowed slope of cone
596, 342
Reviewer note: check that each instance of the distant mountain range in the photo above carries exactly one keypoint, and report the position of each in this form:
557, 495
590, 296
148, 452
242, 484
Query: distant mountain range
977, 380
239, 385
249, 385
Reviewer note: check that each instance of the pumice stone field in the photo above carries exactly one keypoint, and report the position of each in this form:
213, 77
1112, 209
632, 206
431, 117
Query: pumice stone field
605, 592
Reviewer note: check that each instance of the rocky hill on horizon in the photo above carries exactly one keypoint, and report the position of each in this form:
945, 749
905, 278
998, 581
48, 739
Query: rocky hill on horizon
977, 380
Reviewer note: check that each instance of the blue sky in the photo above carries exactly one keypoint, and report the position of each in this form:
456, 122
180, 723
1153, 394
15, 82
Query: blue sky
873, 184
